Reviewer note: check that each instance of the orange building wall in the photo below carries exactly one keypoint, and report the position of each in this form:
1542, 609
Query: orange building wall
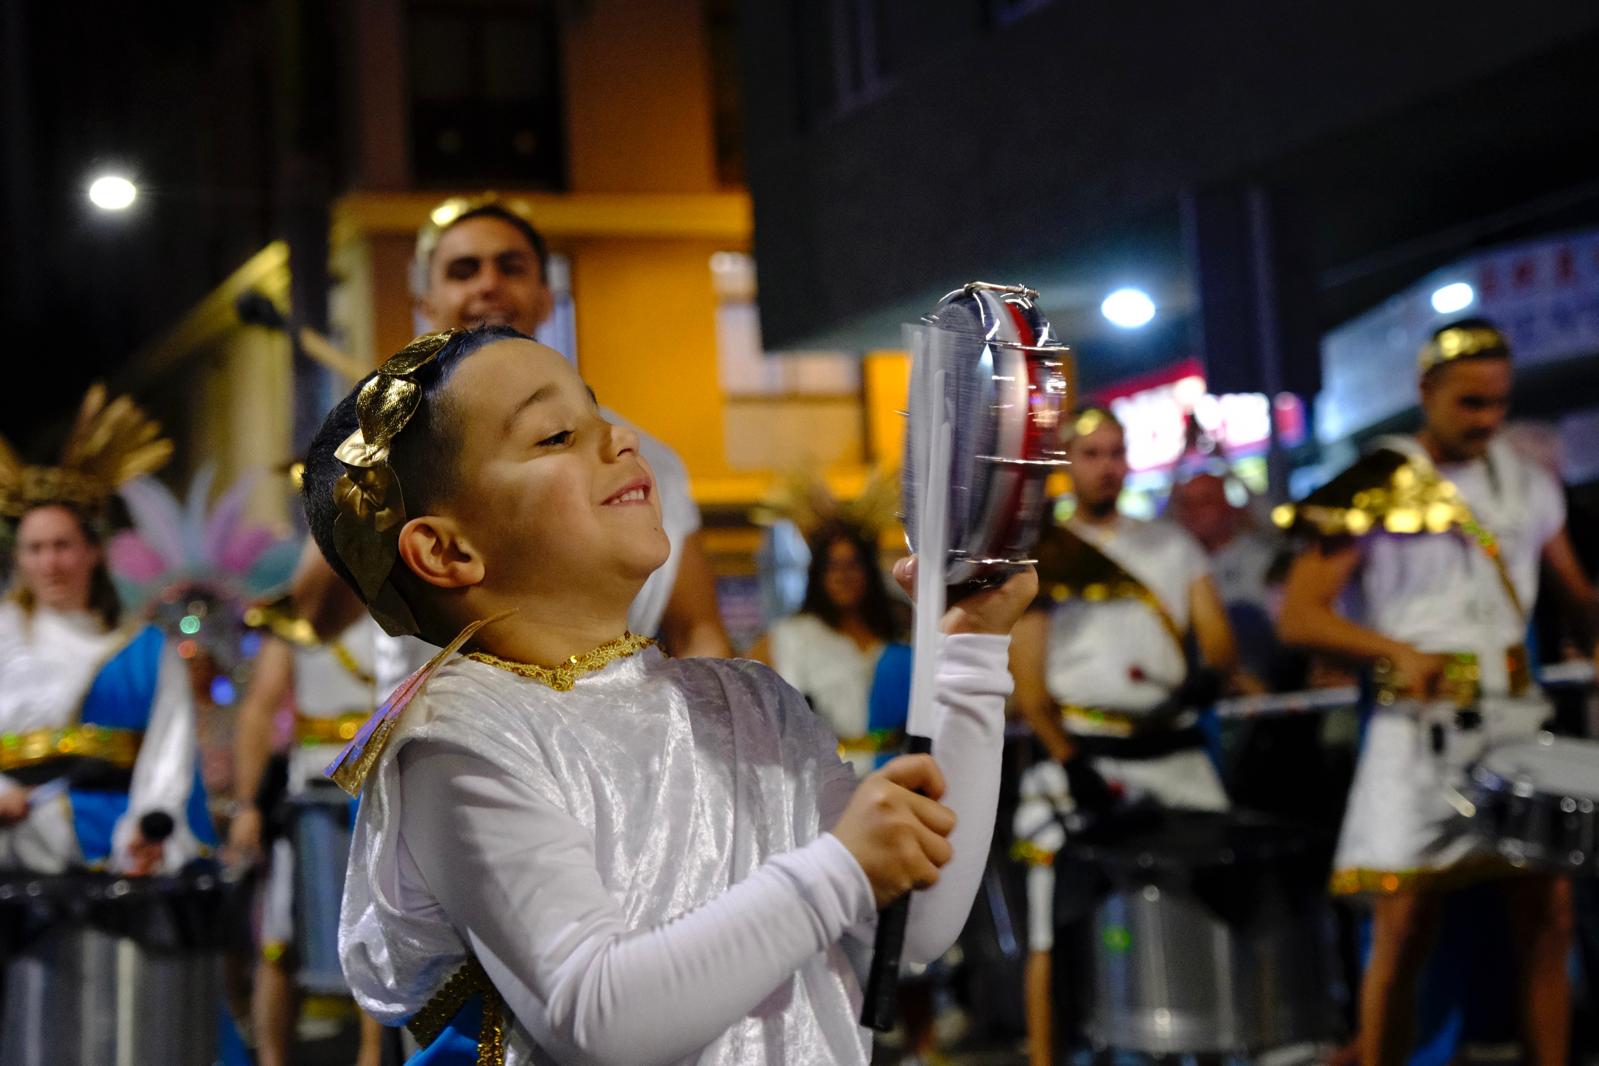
646, 334
638, 98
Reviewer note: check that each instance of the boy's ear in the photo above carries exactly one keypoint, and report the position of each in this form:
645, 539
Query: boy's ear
435, 549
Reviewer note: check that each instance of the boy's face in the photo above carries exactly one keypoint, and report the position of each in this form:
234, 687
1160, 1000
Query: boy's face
552, 495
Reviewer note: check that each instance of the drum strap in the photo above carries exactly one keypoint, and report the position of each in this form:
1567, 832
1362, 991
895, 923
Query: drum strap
1070, 567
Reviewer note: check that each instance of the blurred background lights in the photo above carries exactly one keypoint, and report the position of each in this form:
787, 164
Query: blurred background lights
1128, 308
1453, 297
112, 192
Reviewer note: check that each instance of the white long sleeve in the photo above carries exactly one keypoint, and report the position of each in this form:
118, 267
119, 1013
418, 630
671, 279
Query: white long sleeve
969, 736
518, 876
163, 775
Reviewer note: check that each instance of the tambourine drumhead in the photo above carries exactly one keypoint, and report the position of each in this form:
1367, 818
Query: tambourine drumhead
1548, 765
1003, 393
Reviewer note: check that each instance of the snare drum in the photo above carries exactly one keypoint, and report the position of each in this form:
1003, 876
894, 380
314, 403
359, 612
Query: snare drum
1536, 799
101, 969
1195, 932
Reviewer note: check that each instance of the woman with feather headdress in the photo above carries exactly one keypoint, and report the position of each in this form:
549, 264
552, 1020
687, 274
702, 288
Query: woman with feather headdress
96, 718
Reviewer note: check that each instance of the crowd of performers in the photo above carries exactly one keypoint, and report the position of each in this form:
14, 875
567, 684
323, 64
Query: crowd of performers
584, 832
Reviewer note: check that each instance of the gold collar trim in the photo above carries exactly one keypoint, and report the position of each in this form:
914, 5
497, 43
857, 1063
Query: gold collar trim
562, 678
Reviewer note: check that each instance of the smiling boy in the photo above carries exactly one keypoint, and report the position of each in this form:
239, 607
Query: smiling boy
572, 848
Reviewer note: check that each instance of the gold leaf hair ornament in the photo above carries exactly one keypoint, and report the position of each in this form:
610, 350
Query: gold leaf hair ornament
370, 502
112, 442
1470, 341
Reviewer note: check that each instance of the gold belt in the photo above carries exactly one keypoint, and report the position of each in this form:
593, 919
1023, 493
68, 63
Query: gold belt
119, 747
1462, 680
1105, 722
878, 740
340, 729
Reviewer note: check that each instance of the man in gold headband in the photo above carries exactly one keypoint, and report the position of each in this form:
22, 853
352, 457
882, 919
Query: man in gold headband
1437, 539
1103, 677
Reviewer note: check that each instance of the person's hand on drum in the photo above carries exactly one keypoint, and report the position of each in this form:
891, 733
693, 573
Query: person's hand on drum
13, 806
144, 856
1418, 674
244, 836
992, 611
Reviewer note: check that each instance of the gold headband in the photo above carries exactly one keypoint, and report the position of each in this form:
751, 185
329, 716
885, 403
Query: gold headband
1088, 420
371, 506
1461, 342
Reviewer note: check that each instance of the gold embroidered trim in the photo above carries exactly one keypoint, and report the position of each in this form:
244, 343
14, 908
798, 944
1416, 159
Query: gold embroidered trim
278, 617
562, 678
119, 747
470, 980
1030, 854
875, 742
1362, 880
338, 729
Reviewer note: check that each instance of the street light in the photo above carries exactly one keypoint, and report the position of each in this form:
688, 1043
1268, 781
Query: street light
1128, 308
1456, 296
112, 192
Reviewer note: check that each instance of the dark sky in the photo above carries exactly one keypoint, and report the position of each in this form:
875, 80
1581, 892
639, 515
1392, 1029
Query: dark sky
155, 91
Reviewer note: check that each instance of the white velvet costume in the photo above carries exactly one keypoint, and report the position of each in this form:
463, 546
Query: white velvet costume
642, 864
832, 672
1114, 655
1441, 593
48, 660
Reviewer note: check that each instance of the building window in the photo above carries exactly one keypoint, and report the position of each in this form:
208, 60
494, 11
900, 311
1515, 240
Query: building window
485, 95
843, 64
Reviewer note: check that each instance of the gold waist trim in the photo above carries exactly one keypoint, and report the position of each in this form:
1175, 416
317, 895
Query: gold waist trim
878, 740
1462, 681
470, 980
119, 747
1363, 881
1029, 854
340, 729
1102, 722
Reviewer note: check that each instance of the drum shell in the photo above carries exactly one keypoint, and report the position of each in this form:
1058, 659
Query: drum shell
320, 829
1530, 823
130, 979
1157, 967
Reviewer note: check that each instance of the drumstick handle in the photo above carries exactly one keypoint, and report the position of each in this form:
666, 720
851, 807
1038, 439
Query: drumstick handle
879, 1004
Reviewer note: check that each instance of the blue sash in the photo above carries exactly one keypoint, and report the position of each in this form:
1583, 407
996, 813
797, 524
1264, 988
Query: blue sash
457, 1044
121, 696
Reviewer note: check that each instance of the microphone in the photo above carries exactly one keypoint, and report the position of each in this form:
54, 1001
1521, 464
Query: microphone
156, 826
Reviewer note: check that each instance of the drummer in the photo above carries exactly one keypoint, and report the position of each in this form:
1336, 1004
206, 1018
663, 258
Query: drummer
1435, 541
96, 715
1104, 678
480, 261
332, 687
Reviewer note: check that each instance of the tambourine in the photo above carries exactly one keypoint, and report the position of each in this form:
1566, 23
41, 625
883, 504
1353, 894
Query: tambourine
1004, 386
983, 432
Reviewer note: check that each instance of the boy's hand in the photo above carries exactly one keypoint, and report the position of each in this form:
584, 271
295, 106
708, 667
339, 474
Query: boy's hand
992, 611
897, 836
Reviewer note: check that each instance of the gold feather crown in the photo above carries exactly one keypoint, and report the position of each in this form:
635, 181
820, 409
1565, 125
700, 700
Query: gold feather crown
112, 442
802, 497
